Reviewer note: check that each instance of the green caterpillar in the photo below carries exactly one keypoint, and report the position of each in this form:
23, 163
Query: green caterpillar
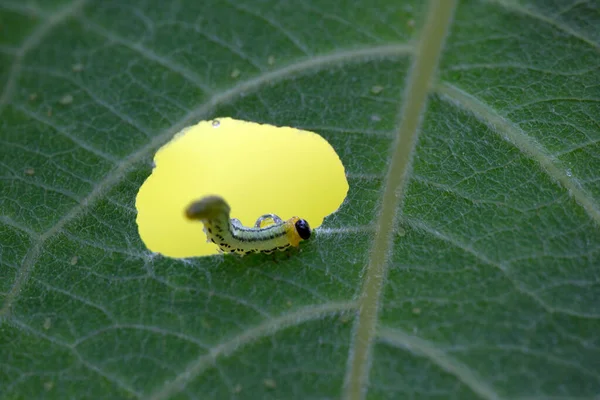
232, 237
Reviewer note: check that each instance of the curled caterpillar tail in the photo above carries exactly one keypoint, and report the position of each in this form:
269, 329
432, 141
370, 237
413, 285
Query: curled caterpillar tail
208, 207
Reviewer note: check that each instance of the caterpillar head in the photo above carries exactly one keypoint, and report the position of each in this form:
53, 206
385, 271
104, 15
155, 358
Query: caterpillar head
303, 229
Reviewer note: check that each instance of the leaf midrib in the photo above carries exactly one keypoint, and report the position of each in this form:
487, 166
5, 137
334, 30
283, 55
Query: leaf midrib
419, 81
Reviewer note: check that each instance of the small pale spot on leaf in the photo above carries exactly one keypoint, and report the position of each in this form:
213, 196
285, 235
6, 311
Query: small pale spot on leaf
270, 383
377, 89
29, 171
235, 73
77, 67
74, 260
66, 99
271, 60
47, 323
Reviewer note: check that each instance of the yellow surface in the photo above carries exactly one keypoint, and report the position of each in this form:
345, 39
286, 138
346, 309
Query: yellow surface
258, 169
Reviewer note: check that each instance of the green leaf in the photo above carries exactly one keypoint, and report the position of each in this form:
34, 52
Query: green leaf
465, 262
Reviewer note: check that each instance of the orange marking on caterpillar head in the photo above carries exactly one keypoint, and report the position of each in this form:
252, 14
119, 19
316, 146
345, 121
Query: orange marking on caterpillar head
297, 230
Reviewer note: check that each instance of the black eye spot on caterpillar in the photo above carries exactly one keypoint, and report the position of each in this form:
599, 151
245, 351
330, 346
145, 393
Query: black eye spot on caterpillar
214, 213
303, 229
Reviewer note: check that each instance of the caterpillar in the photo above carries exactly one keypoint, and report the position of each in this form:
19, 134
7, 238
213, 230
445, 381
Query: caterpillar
232, 237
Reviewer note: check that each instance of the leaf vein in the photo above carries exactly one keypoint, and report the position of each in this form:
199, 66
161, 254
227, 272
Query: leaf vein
169, 64
24, 9
252, 334
290, 282
500, 204
211, 293
93, 96
536, 14
216, 40
104, 248
124, 166
361, 131
32, 42
551, 100
140, 327
576, 147
17, 177
524, 350
467, 67
7, 220
423, 227
118, 382
526, 144
290, 36
63, 132
462, 372
74, 296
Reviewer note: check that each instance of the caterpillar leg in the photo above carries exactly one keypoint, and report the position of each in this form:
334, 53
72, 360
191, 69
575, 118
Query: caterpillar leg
206, 233
264, 217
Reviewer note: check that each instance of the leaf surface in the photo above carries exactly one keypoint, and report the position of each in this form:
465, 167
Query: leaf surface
486, 262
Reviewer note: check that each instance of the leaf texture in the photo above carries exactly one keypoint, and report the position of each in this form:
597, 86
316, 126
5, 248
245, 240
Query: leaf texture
479, 277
